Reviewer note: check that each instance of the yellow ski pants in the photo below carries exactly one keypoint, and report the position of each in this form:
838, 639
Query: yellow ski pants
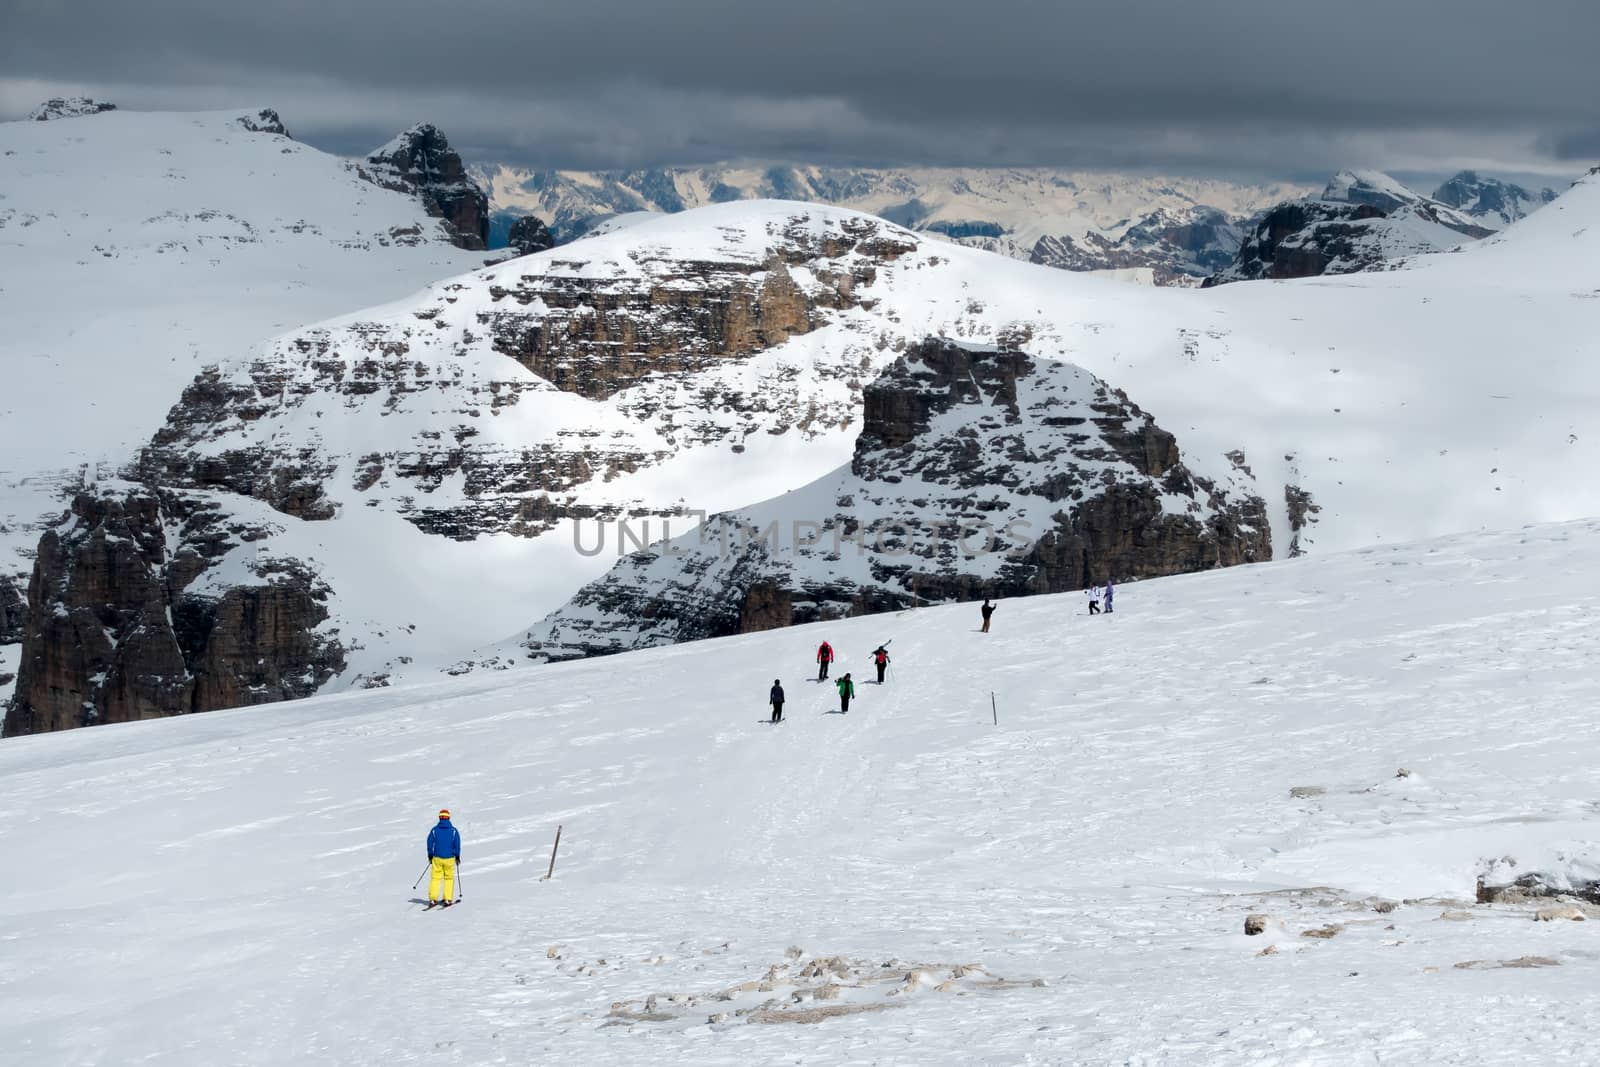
442, 883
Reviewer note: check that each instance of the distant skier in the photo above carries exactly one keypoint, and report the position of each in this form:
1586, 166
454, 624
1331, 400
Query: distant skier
444, 852
847, 690
824, 657
777, 701
988, 610
1110, 592
880, 656
1094, 600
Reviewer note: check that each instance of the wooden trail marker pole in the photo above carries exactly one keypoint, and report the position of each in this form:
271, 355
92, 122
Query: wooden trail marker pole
992, 709
552, 871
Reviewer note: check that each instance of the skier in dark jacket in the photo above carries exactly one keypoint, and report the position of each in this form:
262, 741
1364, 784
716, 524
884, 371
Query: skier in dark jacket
880, 656
988, 610
1111, 591
777, 701
847, 690
444, 852
824, 657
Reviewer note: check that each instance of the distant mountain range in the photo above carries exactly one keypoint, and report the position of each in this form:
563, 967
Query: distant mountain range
1160, 230
1169, 230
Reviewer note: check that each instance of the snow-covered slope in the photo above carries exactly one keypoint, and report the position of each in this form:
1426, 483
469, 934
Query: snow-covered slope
1344, 745
1178, 229
133, 245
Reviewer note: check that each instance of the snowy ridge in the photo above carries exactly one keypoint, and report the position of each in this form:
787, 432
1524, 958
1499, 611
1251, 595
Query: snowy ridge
1343, 745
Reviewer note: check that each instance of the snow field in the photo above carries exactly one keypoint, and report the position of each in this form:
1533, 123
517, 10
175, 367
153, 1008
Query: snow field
235, 887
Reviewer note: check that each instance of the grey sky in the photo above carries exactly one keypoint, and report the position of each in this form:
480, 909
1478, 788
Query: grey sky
1269, 88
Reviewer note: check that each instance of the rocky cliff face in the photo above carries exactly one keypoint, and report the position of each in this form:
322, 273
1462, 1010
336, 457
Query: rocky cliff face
422, 162
13, 612
133, 621
978, 472
1306, 238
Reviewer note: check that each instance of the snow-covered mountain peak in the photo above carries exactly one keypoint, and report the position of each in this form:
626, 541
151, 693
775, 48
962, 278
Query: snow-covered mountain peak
1372, 187
419, 160
1492, 202
68, 107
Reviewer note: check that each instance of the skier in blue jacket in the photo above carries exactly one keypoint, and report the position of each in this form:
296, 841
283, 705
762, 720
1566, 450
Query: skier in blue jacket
444, 852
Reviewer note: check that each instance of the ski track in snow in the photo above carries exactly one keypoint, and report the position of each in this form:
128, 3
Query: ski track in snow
234, 887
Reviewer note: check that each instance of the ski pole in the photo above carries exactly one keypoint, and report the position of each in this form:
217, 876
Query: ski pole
425, 871
460, 892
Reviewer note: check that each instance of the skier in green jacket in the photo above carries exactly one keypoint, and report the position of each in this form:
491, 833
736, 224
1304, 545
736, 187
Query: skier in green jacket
847, 689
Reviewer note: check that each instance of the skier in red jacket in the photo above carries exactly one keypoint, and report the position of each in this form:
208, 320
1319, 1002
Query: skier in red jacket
881, 657
824, 657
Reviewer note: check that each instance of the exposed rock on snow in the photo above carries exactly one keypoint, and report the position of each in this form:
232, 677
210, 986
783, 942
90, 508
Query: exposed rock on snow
264, 121
68, 107
530, 235
1255, 923
1087, 486
1576, 878
421, 161
821, 989
1521, 962
126, 627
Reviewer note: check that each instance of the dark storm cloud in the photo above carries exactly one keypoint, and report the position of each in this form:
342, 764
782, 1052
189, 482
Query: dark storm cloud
1226, 84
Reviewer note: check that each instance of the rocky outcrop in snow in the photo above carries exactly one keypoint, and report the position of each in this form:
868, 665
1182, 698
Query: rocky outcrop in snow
978, 472
421, 161
264, 121
68, 107
529, 235
131, 622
